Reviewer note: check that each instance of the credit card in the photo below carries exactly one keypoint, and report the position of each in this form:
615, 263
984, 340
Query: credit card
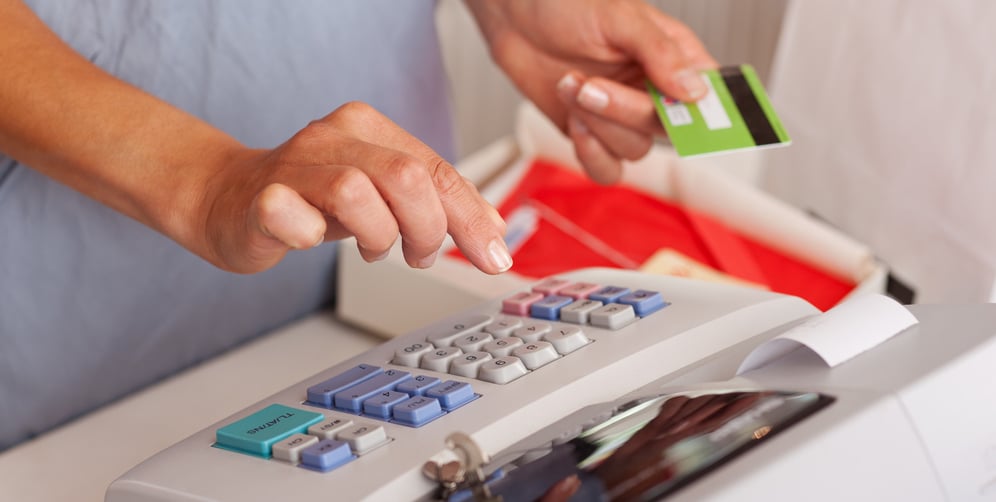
735, 115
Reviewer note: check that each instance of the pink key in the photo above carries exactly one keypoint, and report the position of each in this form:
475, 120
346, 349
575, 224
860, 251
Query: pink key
579, 290
551, 286
518, 304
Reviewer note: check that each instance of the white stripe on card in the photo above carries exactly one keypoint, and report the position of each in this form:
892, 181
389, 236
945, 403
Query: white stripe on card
678, 114
712, 110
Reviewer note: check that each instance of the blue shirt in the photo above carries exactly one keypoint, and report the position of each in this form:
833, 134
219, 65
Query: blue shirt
94, 305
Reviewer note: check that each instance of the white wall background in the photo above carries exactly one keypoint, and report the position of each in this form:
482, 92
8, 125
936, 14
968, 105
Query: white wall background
735, 31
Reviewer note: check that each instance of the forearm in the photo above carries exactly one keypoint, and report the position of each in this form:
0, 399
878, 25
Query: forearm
500, 22
68, 119
488, 16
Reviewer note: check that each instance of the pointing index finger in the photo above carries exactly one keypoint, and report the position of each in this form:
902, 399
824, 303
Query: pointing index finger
475, 226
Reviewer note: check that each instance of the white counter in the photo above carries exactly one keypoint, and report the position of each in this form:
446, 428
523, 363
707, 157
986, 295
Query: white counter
77, 461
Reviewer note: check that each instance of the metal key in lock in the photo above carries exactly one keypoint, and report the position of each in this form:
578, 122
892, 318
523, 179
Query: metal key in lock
465, 473
448, 475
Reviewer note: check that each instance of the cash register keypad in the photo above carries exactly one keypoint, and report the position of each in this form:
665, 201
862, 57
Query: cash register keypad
535, 328
341, 418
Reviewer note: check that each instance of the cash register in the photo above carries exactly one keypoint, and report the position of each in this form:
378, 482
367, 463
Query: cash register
622, 386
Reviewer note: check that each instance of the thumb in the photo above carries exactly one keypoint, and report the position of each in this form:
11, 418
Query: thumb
659, 53
281, 220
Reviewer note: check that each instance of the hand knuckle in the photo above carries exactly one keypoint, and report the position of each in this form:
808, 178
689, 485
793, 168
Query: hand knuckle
348, 187
406, 173
314, 134
449, 182
354, 110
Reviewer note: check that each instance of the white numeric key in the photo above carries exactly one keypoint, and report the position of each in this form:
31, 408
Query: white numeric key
501, 370
444, 334
468, 364
439, 359
532, 331
503, 326
502, 346
567, 339
536, 354
410, 355
473, 341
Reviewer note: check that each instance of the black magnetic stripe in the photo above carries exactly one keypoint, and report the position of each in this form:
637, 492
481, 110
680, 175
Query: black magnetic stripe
750, 109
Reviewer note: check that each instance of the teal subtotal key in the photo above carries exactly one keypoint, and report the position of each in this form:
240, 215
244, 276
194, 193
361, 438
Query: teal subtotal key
257, 433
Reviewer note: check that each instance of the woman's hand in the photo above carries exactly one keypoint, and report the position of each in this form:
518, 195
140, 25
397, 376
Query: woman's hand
352, 173
585, 63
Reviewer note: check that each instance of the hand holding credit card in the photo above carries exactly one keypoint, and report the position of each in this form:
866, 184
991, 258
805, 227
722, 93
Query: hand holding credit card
735, 115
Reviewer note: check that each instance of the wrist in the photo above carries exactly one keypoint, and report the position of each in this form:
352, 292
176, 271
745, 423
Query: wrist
492, 18
197, 185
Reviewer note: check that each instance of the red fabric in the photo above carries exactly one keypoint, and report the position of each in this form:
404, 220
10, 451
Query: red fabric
637, 225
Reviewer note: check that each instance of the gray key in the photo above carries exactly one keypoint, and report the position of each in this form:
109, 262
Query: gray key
613, 316
532, 331
443, 335
578, 311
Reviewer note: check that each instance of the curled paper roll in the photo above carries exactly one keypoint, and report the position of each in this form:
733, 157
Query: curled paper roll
841, 333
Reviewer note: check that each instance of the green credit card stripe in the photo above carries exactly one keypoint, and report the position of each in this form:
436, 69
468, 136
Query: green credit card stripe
750, 109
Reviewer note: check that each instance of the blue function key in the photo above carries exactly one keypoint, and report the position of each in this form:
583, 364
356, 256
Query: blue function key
549, 307
380, 405
608, 294
451, 394
644, 302
417, 385
351, 399
321, 394
326, 455
257, 433
417, 410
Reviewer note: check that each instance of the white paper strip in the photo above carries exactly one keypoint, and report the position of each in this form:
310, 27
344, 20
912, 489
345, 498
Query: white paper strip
838, 334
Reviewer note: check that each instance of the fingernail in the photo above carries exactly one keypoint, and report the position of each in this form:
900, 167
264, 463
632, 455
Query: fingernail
568, 84
593, 98
691, 82
427, 261
499, 255
370, 259
320, 241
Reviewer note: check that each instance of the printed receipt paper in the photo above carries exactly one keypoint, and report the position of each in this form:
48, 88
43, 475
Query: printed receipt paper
735, 115
839, 334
